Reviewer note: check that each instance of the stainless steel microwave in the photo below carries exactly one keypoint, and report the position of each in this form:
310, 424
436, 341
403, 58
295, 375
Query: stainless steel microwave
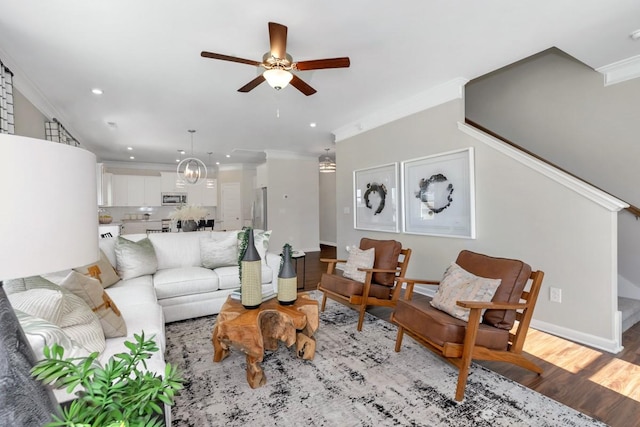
174, 199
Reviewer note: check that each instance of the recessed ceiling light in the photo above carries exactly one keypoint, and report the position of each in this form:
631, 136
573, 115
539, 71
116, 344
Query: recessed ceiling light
182, 151
96, 91
635, 35
132, 158
228, 156
312, 124
217, 163
177, 160
129, 148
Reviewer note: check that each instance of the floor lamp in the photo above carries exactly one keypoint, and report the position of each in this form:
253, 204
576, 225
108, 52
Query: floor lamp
48, 223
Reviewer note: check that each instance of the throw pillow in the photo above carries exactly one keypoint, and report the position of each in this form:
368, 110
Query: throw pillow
260, 239
46, 304
359, 259
93, 294
26, 283
101, 270
135, 259
460, 285
80, 323
39, 332
219, 253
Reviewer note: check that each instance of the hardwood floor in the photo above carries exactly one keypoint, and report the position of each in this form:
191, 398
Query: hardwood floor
603, 385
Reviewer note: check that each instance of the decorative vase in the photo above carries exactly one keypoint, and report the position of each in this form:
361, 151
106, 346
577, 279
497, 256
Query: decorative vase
251, 278
287, 280
189, 225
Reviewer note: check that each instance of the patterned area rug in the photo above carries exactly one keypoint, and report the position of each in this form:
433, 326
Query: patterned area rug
355, 379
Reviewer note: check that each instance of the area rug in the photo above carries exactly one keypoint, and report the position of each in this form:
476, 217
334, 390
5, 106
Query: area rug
355, 379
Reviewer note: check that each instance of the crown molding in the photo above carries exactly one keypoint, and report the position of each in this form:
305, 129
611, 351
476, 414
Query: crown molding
289, 155
421, 101
590, 192
621, 71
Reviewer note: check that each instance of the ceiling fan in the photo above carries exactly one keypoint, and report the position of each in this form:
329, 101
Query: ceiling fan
278, 64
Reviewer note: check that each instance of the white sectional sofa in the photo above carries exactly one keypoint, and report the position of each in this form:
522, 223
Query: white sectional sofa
183, 287
179, 288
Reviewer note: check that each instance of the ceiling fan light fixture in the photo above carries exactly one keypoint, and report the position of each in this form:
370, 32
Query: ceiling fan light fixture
277, 78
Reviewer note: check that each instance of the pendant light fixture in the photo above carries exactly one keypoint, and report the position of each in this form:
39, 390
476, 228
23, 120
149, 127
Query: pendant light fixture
192, 171
327, 165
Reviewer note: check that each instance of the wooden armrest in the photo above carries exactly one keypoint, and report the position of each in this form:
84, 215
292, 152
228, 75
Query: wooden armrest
377, 270
417, 281
491, 305
331, 260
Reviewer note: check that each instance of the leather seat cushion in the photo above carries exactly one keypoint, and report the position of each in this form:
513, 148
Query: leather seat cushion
439, 327
514, 275
341, 285
387, 253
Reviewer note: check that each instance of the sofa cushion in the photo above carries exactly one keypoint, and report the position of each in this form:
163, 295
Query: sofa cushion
387, 254
133, 292
219, 253
348, 287
92, 292
105, 271
175, 250
228, 277
134, 259
460, 285
173, 282
359, 258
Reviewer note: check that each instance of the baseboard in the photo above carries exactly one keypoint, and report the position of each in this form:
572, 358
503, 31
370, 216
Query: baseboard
607, 345
334, 244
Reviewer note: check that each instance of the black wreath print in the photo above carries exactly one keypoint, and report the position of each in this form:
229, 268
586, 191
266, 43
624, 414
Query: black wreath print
374, 187
424, 190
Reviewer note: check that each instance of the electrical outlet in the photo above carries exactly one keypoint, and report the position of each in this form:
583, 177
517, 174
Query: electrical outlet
555, 294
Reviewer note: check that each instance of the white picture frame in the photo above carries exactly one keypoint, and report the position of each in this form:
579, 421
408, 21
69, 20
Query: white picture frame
375, 198
438, 195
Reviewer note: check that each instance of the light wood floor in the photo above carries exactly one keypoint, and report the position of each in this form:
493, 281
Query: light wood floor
602, 385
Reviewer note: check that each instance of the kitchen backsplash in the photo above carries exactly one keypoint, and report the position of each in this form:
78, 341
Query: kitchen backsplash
157, 212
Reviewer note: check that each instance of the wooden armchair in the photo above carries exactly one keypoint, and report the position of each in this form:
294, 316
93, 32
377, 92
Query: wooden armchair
488, 336
380, 287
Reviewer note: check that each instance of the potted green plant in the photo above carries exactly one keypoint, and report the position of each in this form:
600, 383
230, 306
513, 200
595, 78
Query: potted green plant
123, 393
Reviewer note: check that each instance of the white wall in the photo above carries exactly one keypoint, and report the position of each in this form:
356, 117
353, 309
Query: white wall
520, 213
29, 121
328, 213
559, 108
293, 201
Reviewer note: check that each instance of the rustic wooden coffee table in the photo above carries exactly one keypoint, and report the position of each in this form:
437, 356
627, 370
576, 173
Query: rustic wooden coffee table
254, 331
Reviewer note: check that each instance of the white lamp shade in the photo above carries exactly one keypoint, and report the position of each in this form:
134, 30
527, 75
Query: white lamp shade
277, 78
49, 216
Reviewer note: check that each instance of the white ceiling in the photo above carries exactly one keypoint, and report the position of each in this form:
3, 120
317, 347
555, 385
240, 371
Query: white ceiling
145, 56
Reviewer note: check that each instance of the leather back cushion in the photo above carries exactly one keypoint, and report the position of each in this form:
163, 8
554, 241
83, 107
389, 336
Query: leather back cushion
387, 253
514, 275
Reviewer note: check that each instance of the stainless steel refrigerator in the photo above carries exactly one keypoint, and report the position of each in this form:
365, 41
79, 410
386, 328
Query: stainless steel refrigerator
259, 209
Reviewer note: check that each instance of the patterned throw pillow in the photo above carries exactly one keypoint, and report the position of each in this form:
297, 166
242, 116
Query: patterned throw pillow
101, 270
359, 259
260, 239
135, 259
44, 303
219, 253
93, 294
39, 332
460, 285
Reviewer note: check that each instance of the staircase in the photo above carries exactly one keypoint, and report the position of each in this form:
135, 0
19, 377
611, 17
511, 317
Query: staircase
630, 309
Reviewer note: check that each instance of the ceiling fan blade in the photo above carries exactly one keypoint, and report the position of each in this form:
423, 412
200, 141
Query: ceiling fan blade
319, 64
252, 84
278, 40
229, 58
299, 84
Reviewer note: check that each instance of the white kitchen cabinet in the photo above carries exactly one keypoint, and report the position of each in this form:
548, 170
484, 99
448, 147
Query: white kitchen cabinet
205, 194
168, 183
103, 181
136, 190
140, 227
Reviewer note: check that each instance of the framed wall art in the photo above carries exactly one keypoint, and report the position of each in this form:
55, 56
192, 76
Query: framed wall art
375, 205
439, 196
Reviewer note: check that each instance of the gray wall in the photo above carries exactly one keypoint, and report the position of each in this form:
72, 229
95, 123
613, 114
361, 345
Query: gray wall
520, 213
560, 109
328, 212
